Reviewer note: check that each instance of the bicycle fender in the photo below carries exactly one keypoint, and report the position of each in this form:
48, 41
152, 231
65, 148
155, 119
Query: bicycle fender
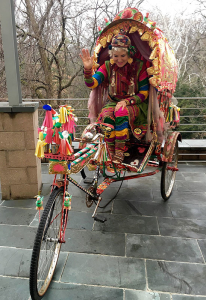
170, 145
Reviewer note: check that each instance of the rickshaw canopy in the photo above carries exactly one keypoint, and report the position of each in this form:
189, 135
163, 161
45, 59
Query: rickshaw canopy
150, 42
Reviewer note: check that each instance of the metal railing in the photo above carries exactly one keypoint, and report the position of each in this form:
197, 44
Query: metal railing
192, 119
191, 114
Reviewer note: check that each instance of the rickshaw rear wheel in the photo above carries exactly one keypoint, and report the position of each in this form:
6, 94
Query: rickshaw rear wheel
169, 174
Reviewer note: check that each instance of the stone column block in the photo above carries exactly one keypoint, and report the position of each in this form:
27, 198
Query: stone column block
18, 191
3, 159
18, 122
12, 140
20, 169
19, 159
6, 192
14, 176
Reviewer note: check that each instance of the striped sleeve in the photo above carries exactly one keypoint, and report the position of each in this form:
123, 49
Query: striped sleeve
143, 85
92, 81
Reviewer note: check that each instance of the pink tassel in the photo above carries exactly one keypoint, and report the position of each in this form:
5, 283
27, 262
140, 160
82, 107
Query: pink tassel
48, 138
48, 122
62, 148
56, 138
69, 126
65, 148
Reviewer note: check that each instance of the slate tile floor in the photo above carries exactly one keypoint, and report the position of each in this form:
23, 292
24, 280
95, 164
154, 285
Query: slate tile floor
147, 249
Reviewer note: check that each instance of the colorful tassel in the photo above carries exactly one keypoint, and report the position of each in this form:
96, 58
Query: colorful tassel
40, 149
49, 134
63, 115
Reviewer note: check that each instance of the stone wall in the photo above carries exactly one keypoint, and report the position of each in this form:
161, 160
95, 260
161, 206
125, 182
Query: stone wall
20, 170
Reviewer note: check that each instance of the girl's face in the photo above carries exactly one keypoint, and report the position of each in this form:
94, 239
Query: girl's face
120, 57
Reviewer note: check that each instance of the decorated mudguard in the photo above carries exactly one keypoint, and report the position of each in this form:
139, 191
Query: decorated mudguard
170, 145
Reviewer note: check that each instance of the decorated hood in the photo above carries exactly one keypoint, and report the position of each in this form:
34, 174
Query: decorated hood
148, 40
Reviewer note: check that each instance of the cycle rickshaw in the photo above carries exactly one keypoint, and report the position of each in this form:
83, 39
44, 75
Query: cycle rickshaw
163, 116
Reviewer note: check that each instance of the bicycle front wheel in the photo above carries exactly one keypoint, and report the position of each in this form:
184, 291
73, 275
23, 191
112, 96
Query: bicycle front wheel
46, 246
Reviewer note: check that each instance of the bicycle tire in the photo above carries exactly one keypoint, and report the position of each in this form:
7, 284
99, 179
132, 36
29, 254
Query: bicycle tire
41, 269
168, 176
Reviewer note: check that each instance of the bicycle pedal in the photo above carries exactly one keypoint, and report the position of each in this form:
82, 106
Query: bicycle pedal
88, 180
100, 219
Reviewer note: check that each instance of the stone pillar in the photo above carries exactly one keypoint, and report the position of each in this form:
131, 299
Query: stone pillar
20, 170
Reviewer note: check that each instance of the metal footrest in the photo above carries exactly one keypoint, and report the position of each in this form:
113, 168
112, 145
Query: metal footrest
100, 219
88, 180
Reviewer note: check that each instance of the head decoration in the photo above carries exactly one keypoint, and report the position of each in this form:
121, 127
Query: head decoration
122, 41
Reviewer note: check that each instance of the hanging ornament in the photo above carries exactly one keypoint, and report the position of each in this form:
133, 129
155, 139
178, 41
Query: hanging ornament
48, 138
48, 122
67, 202
39, 203
65, 148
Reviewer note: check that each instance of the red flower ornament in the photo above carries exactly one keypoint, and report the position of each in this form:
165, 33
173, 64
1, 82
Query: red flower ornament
127, 14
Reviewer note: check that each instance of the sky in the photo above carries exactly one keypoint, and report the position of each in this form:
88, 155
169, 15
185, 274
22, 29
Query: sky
171, 7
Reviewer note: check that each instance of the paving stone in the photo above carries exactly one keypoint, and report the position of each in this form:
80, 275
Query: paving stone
16, 216
80, 220
60, 265
141, 295
182, 297
47, 178
182, 228
24, 203
46, 189
17, 236
79, 204
140, 184
142, 208
195, 177
35, 220
15, 262
192, 167
128, 224
180, 176
105, 271
164, 248
186, 186
44, 168
188, 211
76, 220
95, 242
62, 291
196, 167
134, 194
202, 244
176, 277
14, 288
180, 197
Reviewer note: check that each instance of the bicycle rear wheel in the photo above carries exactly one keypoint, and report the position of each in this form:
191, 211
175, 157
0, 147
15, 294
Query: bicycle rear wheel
169, 174
46, 246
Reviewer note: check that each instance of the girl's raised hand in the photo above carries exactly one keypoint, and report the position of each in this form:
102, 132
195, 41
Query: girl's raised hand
86, 59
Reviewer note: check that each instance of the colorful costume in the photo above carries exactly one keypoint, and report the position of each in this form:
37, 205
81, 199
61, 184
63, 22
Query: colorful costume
129, 83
